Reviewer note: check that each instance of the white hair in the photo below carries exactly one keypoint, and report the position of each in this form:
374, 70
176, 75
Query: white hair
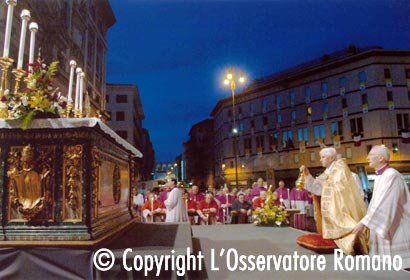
329, 151
382, 151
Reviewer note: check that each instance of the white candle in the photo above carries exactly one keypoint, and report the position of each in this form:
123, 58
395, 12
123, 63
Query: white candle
7, 33
33, 29
77, 87
25, 17
82, 77
73, 64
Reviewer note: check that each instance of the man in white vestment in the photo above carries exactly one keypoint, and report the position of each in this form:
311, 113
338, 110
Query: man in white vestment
176, 211
388, 215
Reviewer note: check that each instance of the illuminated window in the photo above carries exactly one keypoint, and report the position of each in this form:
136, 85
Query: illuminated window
307, 95
356, 127
362, 76
342, 82
319, 132
303, 134
264, 105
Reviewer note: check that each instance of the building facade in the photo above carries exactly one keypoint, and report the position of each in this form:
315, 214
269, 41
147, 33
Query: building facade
126, 115
68, 30
350, 99
197, 154
165, 170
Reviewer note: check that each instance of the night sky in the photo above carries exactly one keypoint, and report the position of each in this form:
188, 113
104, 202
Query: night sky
177, 52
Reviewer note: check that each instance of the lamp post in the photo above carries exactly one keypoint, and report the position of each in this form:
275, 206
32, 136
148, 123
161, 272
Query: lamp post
230, 80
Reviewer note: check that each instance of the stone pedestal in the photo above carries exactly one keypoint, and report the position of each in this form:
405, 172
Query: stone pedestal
64, 180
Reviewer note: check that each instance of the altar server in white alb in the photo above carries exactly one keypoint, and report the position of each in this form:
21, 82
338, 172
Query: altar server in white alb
176, 211
388, 215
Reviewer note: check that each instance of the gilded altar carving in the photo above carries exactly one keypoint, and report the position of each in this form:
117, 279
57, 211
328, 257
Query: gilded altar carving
72, 183
95, 171
31, 177
116, 184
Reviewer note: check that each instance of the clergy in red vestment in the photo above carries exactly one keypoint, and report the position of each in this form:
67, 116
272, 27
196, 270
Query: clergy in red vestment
259, 202
190, 206
207, 210
153, 207
195, 195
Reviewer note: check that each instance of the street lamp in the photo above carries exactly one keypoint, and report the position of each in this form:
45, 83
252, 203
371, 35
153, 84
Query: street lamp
230, 80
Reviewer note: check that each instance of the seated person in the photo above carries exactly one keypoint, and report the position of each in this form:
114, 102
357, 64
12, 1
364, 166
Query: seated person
207, 210
259, 202
190, 208
137, 201
225, 202
241, 210
195, 195
153, 208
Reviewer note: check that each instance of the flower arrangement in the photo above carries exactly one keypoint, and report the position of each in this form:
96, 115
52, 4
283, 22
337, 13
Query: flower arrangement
39, 98
271, 214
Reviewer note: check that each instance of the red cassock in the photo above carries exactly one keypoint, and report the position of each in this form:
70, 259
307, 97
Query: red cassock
205, 207
258, 203
157, 204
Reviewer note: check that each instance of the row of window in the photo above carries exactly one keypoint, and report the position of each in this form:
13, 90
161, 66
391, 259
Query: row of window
119, 116
324, 92
325, 113
284, 140
119, 98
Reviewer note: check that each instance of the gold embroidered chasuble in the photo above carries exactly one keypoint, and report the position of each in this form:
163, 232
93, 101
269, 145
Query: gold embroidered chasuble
342, 208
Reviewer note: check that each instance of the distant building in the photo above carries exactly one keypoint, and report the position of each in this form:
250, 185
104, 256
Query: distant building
350, 99
164, 170
68, 30
198, 154
126, 115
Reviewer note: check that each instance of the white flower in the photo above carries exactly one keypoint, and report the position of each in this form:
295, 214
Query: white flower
43, 65
32, 84
63, 99
24, 100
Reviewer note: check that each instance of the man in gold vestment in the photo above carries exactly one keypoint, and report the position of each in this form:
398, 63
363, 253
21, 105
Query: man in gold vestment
341, 206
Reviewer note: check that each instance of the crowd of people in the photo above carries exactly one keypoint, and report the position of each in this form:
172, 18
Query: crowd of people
340, 212
218, 206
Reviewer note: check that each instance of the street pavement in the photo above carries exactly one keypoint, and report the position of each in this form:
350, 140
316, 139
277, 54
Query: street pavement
228, 251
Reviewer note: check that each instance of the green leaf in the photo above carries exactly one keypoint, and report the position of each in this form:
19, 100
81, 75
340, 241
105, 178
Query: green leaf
28, 119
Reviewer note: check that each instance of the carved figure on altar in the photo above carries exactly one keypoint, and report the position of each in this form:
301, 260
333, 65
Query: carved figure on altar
29, 189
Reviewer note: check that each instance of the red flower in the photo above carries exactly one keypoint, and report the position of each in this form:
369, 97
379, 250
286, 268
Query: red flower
3, 98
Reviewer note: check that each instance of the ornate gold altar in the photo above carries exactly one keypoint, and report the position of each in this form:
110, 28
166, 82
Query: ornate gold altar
64, 180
